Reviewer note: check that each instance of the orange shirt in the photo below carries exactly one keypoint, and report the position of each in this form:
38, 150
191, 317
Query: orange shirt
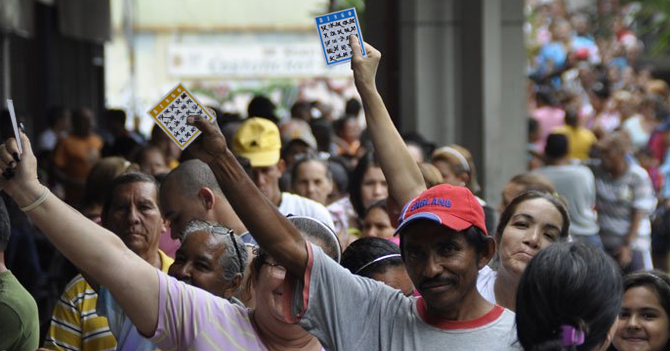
75, 155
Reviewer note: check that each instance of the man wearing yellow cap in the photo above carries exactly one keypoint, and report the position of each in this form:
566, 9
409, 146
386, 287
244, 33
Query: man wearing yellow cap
259, 141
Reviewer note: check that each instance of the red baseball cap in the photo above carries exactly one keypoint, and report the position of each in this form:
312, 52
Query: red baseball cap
451, 206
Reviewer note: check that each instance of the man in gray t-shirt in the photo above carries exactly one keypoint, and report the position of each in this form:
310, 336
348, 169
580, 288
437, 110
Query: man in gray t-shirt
577, 185
443, 243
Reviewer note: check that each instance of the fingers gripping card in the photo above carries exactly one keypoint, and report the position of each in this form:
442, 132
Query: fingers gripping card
334, 30
171, 113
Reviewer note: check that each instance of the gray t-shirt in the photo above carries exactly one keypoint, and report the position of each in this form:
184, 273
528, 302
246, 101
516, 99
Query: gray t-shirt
351, 313
577, 185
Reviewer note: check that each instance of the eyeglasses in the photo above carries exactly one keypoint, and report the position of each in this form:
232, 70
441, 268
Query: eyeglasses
237, 250
218, 229
276, 270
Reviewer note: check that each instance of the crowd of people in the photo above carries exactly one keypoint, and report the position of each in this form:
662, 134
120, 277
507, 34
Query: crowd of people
592, 104
316, 234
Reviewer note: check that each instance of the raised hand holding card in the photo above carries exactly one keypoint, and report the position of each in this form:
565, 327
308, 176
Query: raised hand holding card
171, 113
334, 30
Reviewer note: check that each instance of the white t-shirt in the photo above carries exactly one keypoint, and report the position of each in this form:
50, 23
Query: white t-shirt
300, 206
485, 282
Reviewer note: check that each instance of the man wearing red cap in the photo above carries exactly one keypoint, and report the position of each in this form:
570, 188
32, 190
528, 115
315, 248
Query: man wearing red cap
443, 242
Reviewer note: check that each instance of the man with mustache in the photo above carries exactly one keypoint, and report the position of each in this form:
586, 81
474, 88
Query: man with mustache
443, 243
131, 212
443, 239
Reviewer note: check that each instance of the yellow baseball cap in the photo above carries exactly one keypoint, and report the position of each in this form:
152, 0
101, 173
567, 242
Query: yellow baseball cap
258, 140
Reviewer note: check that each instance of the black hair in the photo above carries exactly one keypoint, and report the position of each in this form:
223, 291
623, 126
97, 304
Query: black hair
262, 106
356, 182
339, 124
381, 204
544, 95
323, 133
301, 110
359, 257
54, 114
126, 178
352, 107
339, 170
510, 210
556, 146
571, 117
567, 284
601, 89
5, 226
116, 115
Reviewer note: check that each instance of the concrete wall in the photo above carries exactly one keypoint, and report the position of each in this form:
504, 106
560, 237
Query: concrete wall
457, 68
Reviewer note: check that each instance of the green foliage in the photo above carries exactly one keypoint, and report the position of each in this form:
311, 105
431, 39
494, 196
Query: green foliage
652, 22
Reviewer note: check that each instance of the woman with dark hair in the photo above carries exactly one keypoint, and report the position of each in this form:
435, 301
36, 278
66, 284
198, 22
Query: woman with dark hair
377, 222
523, 182
569, 298
367, 185
532, 222
378, 259
643, 321
100, 177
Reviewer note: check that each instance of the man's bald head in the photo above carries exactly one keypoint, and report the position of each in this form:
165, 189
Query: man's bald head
189, 192
190, 177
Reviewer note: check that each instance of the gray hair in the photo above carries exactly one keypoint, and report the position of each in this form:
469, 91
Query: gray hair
232, 265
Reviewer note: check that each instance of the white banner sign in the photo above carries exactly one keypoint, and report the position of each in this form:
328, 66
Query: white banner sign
247, 61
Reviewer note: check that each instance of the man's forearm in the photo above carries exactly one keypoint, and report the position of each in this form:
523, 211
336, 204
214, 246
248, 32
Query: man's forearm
269, 227
402, 173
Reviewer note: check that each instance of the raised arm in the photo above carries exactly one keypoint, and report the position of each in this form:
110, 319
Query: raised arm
401, 171
271, 229
96, 251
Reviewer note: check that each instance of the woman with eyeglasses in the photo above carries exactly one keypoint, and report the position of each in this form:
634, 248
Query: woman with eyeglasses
266, 279
207, 261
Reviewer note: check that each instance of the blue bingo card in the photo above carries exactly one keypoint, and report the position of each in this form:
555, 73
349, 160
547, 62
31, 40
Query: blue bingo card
335, 29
